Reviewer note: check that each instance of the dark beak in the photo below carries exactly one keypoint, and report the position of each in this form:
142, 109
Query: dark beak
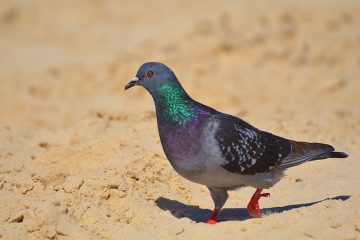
133, 82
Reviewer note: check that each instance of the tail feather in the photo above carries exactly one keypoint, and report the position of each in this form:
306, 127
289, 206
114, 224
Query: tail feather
333, 155
303, 152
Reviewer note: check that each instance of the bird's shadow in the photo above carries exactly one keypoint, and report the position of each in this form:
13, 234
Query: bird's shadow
197, 214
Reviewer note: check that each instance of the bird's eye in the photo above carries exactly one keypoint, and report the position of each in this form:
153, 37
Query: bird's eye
149, 74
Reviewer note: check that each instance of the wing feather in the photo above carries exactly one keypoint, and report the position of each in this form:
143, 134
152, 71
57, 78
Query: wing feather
248, 150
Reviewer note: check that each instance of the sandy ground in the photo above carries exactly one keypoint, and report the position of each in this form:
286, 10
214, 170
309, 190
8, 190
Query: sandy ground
81, 159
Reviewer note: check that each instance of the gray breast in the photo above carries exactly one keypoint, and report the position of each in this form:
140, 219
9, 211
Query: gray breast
203, 155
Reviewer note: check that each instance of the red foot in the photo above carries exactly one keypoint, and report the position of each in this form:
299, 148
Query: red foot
213, 218
253, 206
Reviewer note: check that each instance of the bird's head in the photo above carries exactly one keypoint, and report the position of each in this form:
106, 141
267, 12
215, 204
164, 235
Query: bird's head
151, 76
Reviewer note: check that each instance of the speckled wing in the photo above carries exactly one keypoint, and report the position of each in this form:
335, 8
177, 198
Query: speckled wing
248, 150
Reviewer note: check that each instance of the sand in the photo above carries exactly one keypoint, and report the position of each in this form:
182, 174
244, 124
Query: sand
80, 158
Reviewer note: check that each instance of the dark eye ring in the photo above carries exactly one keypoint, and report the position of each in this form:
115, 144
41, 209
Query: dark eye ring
149, 74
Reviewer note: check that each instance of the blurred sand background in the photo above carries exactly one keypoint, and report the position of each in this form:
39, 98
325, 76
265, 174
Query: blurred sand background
81, 159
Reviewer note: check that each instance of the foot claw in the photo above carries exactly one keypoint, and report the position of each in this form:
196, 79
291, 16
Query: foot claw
265, 195
212, 221
254, 215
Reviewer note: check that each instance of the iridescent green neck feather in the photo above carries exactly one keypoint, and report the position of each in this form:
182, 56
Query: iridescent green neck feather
175, 104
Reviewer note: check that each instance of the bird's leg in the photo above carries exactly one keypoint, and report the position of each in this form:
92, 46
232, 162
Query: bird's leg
253, 206
219, 196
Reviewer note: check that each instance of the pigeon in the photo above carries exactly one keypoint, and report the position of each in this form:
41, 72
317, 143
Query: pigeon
216, 149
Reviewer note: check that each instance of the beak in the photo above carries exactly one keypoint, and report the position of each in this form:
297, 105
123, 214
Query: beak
133, 82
